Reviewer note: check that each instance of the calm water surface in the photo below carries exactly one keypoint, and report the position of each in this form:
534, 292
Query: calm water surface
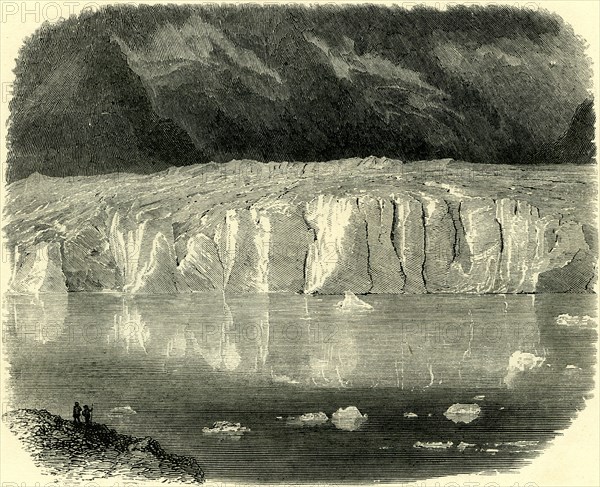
184, 362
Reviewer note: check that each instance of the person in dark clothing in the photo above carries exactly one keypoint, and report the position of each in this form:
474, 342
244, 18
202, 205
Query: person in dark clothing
87, 414
77, 413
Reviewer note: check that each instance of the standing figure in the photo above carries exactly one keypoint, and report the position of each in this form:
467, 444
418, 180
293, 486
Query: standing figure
87, 414
77, 413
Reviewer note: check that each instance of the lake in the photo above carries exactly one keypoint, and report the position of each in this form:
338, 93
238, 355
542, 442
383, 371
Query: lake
183, 362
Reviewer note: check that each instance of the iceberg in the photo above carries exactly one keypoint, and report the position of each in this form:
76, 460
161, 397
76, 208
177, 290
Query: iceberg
348, 419
410, 415
352, 303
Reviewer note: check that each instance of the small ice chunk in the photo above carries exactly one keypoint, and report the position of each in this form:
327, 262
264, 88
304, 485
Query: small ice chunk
519, 363
568, 320
462, 446
479, 398
572, 367
285, 379
463, 413
121, 411
308, 419
320, 416
433, 445
348, 419
225, 428
410, 415
523, 361
519, 444
351, 302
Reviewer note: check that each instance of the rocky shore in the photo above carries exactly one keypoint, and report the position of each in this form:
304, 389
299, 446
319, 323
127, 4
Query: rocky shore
62, 448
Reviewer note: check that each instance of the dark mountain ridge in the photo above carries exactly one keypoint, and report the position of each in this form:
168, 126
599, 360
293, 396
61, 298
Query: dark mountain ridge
141, 89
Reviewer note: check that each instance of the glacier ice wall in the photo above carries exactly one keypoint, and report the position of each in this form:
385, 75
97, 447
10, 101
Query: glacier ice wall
407, 242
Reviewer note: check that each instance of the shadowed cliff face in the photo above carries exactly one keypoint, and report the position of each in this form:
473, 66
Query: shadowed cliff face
140, 89
253, 227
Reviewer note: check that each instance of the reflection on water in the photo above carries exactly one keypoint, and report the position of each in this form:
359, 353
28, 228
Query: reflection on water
34, 318
185, 362
129, 329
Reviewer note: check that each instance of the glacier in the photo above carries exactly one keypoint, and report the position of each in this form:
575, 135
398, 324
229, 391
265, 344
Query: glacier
181, 231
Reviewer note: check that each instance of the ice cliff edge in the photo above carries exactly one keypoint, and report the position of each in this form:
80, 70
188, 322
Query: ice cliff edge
362, 225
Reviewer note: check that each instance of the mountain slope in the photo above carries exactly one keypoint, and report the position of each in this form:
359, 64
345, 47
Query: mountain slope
141, 89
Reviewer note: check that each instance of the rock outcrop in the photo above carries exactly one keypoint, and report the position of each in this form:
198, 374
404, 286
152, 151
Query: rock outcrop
94, 451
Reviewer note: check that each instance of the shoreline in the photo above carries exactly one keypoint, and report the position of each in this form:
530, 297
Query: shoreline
61, 448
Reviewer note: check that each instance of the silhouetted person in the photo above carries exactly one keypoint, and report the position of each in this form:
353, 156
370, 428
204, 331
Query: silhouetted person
77, 413
87, 414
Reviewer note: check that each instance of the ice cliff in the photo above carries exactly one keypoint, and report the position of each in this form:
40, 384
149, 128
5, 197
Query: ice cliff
183, 231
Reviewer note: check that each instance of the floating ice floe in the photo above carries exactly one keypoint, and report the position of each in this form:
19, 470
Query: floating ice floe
568, 320
283, 379
462, 446
479, 398
520, 446
410, 415
308, 419
433, 445
225, 428
121, 411
463, 413
348, 419
351, 302
519, 363
572, 367
523, 444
